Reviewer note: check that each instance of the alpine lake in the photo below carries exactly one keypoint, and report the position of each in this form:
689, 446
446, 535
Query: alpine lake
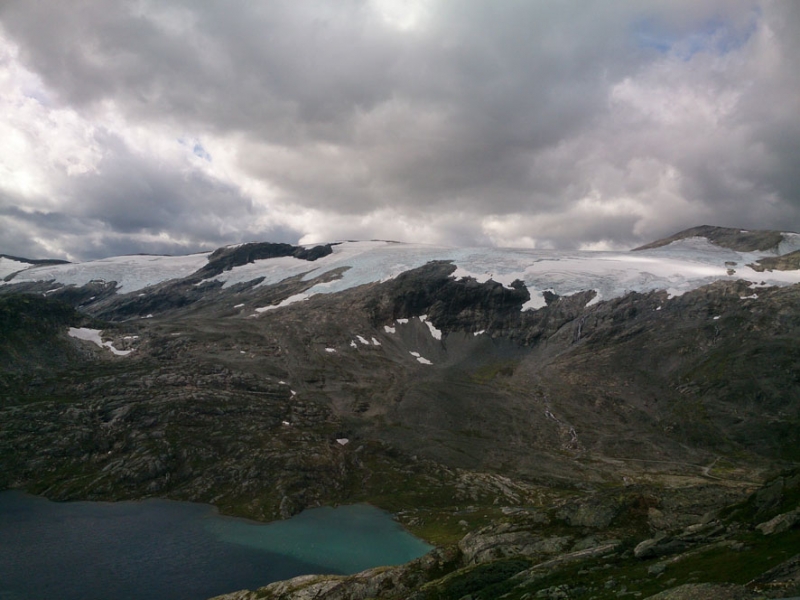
162, 549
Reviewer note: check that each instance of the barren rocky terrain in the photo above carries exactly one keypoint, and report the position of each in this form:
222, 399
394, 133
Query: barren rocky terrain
593, 447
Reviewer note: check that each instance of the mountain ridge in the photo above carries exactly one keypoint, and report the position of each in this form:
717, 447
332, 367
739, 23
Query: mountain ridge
611, 394
669, 266
727, 237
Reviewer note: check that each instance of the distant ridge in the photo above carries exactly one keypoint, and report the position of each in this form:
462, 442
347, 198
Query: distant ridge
741, 240
26, 263
36, 261
224, 259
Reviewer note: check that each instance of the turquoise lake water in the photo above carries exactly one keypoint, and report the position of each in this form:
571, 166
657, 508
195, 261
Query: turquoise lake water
165, 550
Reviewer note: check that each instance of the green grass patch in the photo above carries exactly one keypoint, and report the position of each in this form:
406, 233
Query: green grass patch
482, 582
488, 372
721, 565
445, 527
603, 579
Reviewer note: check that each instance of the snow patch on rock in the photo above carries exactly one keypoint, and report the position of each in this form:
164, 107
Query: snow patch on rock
290, 300
420, 359
93, 335
437, 334
132, 273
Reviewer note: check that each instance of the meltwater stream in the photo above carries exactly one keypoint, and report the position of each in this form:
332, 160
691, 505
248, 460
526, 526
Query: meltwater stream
160, 549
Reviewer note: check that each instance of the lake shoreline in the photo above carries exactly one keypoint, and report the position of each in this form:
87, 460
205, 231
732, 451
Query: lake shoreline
192, 545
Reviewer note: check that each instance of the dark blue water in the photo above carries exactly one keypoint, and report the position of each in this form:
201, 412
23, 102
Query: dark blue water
159, 549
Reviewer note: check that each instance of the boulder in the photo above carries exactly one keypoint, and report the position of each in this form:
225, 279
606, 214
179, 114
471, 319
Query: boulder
491, 543
781, 523
661, 545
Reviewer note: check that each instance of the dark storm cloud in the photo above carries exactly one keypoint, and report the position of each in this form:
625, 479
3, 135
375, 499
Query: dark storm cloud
770, 112
527, 122
133, 193
133, 204
280, 69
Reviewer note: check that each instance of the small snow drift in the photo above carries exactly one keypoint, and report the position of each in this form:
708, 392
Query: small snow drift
437, 335
93, 335
290, 300
420, 359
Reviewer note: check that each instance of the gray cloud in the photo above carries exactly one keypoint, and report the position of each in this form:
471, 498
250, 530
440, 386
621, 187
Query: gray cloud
131, 204
555, 124
132, 193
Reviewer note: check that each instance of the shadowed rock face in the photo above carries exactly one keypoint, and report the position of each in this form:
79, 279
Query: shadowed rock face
32, 333
786, 262
451, 305
224, 259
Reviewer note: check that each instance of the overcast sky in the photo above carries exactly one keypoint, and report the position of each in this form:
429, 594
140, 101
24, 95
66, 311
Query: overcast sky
169, 126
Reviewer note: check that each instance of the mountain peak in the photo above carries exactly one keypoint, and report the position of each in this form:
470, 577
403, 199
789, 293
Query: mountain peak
741, 240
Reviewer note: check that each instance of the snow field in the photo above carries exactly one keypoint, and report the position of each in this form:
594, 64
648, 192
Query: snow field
420, 359
9, 266
678, 267
132, 273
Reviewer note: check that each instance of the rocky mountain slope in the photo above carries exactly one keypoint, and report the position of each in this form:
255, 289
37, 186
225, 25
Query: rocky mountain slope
550, 554
514, 407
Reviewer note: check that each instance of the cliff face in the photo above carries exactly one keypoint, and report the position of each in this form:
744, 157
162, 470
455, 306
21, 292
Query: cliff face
457, 401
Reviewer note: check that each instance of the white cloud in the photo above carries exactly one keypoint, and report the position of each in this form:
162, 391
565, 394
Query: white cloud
404, 15
39, 143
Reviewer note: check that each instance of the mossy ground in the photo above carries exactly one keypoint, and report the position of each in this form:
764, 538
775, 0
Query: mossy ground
443, 527
485, 582
625, 576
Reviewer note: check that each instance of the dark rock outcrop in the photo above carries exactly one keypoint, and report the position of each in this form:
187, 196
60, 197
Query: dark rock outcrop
451, 305
224, 259
785, 262
32, 336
